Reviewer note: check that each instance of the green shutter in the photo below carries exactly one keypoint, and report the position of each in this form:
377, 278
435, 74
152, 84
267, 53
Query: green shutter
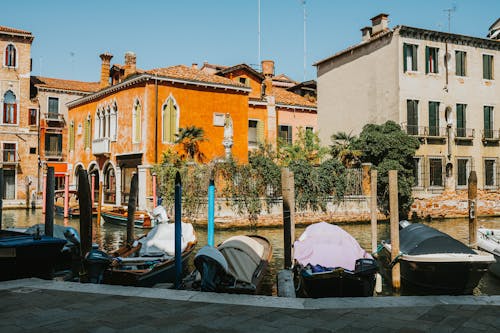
72, 136
433, 118
173, 120
488, 132
260, 132
405, 55
436, 60
414, 57
426, 60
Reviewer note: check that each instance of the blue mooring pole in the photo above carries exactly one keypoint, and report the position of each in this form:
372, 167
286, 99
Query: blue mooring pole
211, 204
178, 229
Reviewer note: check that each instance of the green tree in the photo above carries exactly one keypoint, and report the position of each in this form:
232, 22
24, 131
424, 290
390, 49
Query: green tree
342, 148
190, 138
305, 147
387, 147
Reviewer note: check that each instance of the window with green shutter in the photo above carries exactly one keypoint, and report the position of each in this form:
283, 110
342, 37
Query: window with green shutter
410, 57
462, 171
412, 117
460, 63
169, 121
86, 133
72, 136
461, 120
488, 122
487, 67
434, 118
490, 172
431, 59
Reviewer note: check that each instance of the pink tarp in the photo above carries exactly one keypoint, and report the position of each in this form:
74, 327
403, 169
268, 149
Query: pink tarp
329, 246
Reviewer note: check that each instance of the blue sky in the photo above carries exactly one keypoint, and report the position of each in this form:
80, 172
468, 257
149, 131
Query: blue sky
70, 35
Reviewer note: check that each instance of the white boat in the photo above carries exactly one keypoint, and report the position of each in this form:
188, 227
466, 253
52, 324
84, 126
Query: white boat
489, 240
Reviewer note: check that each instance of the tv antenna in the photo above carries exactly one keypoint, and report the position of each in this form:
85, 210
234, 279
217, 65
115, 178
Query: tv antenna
450, 11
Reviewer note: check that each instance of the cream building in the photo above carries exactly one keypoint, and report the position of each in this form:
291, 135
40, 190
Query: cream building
441, 87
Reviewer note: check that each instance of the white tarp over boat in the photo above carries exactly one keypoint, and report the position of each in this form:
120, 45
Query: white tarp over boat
329, 246
161, 239
243, 255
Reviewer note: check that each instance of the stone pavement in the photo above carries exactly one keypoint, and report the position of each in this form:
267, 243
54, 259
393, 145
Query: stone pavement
33, 305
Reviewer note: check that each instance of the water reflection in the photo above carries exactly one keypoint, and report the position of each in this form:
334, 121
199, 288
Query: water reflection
110, 237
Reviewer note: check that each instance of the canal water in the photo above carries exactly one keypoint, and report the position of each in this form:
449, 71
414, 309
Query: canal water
110, 237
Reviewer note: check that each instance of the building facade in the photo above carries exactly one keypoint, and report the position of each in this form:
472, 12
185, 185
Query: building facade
440, 87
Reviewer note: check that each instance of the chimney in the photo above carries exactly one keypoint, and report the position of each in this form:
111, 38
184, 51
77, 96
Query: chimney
380, 23
194, 65
268, 71
130, 63
366, 34
105, 65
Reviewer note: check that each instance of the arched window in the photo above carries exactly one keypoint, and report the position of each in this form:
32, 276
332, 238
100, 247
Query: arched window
10, 56
9, 108
169, 120
109, 184
136, 122
107, 123
97, 123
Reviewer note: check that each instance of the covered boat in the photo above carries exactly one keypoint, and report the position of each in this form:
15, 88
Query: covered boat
73, 205
432, 262
237, 265
118, 216
329, 262
489, 240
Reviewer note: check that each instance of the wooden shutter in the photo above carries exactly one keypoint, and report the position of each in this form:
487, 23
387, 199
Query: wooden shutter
433, 118
260, 132
405, 57
414, 57
173, 120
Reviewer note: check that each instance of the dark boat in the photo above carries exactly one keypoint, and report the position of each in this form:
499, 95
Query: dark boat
146, 262
24, 255
73, 205
489, 240
237, 265
118, 216
329, 262
432, 262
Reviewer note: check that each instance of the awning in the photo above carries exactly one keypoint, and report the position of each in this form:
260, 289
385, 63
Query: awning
60, 168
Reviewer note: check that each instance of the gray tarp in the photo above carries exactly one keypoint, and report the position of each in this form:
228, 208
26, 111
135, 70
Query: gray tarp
243, 255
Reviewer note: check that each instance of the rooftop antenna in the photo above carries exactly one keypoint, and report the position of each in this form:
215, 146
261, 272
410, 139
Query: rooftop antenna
305, 45
450, 10
72, 60
258, 32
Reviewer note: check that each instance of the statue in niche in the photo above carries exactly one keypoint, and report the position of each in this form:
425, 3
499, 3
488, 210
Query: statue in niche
227, 142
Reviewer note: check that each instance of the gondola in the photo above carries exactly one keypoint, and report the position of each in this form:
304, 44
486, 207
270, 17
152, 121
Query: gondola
237, 265
489, 240
432, 262
329, 262
118, 216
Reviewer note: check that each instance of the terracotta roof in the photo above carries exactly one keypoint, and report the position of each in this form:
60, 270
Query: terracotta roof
15, 31
244, 67
284, 96
191, 74
283, 78
46, 82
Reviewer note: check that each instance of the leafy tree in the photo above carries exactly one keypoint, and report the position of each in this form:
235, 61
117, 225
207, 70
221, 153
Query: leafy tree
387, 147
190, 138
342, 148
306, 147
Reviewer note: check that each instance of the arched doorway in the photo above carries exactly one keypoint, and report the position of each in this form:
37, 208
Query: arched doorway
109, 184
94, 172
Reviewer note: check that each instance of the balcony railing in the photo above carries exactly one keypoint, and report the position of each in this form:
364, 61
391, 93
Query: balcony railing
413, 129
53, 154
101, 146
491, 135
54, 119
464, 133
435, 131
10, 156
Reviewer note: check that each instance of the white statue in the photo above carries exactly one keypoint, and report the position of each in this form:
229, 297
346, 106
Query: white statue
228, 127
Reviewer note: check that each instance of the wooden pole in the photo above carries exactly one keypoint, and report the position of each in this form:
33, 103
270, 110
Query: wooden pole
394, 213
373, 209
27, 180
66, 195
472, 196
288, 193
178, 229
155, 199
92, 190
44, 192
99, 205
85, 204
49, 202
132, 200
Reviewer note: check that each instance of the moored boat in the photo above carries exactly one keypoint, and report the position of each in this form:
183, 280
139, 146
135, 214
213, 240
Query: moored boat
237, 265
73, 205
432, 262
489, 240
118, 216
329, 262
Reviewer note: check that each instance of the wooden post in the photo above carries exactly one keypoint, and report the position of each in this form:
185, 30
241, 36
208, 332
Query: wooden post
49, 202
155, 199
394, 211
472, 196
178, 229
92, 189
373, 209
99, 205
44, 192
132, 202
28, 183
66, 195
85, 204
288, 193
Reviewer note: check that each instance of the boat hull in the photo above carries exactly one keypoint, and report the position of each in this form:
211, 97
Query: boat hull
435, 278
141, 220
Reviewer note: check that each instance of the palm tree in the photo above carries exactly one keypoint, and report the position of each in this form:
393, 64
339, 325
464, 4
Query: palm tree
190, 138
342, 148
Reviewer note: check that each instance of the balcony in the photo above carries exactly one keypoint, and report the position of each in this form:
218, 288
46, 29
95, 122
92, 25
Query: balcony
10, 157
490, 137
56, 155
464, 136
101, 146
53, 119
418, 131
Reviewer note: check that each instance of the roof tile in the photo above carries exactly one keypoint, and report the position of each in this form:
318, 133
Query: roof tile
46, 82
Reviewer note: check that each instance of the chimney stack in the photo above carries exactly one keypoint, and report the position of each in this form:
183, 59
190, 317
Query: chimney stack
268, 71
366, 34
380, 23
194, 65
130, 63
105, 66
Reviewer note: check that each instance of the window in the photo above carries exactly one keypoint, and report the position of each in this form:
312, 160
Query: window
9, 108
462, 171
136, 122
410, 57
72, 136
10, 56
113, 122
309, 129
285, 134
412, 117
9, 184
417, 166
32, 150
436, 171
244, 80
434, 118
86, 133
490, 166
431, 59
109, 186
53, 107
169, 120
488, 122
252, 132
461, 120
53, 145
487, 67
9, 152
460, 63
32, 117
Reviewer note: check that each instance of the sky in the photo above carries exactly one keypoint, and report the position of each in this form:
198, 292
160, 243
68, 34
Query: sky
70, 35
